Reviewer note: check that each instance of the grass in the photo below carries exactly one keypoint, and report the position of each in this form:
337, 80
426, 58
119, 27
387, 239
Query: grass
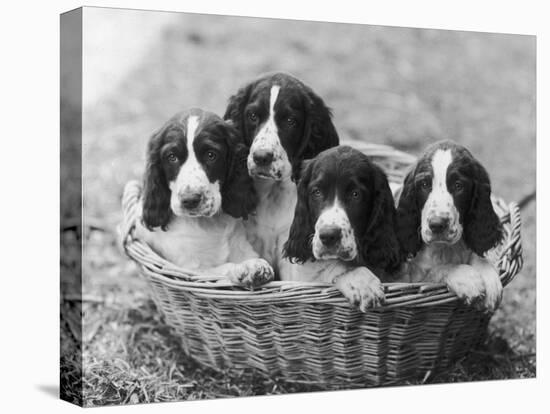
403, 87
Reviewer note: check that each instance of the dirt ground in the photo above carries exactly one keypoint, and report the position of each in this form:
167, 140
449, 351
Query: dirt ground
402, 87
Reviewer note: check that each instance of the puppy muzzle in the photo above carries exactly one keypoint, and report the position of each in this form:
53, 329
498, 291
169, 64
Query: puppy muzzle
196, 203
268, 159
441, 228
333, 242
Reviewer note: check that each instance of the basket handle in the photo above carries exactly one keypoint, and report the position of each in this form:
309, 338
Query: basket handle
526, 199
131, 212
511, 256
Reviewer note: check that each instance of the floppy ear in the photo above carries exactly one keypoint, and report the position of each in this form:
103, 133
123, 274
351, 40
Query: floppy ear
236, 106
301, 168
238, 194
156, 193
319, 131
482, 226
379, 245
408, 218
298, 246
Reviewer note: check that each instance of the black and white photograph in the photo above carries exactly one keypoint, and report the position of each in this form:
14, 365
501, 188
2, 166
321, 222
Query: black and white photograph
272, 206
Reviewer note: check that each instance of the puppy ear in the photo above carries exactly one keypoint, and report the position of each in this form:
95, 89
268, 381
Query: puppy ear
299, 169
482, 226
235, 109
319, 131
238, 194
408, 218
379, 245
156, 193
298, 246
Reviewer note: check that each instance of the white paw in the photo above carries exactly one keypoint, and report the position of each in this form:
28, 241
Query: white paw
493, 290
362, 288
466, 282
253, 272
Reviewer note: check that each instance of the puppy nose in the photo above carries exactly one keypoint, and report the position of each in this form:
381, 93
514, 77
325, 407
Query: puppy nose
191, 201
438, 224
262, 157
330, 236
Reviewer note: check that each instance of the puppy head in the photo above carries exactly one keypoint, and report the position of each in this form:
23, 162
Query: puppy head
344, 211
445, 198
195, 168
283, 121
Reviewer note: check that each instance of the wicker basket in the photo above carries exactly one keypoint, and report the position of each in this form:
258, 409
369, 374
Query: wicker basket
307, 332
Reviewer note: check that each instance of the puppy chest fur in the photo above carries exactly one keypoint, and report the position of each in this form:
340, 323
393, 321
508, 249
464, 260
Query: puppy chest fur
195, 243
268, 228
434, 255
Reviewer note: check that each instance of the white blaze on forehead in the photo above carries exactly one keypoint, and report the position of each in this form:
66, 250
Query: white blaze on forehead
440, 163
191, 176
273, 95
269, 130
192, 125
440, 201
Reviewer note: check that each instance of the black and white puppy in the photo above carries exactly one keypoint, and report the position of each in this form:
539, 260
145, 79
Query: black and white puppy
196, 189
345, 213
446, 223
284, 122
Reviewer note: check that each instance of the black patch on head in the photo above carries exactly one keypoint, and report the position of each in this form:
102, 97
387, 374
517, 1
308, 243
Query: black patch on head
298, 246
219, 149
239, 197
363, 192
379, 246
408, 217
156, 193
482, 226
235, 111
303, 120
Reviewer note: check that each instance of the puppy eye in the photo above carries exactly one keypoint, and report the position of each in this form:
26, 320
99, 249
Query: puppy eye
316, 193
172, 158
291, 121
211, 156
458, 186
253, 116
355, 194
425, 184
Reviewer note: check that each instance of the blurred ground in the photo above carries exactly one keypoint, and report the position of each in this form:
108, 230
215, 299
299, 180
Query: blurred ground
402, 87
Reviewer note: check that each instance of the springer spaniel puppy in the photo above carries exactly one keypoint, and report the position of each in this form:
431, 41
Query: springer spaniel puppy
345, 217
284, 122
196, 189
446, 223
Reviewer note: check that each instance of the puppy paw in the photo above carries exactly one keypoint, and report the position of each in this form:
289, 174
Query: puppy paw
493, 290
253, 272
466, 282
362, 288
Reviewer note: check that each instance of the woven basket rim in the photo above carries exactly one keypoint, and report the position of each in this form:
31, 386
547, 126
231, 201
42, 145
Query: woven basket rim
508, 257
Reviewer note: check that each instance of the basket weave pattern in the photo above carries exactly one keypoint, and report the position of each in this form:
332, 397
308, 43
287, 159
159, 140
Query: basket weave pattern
307, 332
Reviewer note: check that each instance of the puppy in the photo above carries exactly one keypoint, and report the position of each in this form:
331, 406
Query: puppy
344, 225
446, 223
196, 189
284, 122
